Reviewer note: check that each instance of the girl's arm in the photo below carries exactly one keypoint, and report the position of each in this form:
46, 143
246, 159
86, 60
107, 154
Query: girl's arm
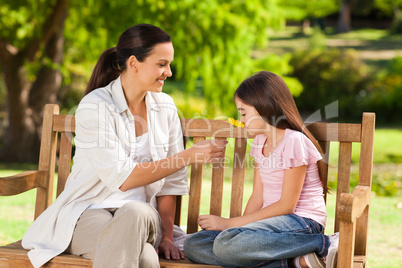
292, 185
166, 209
256, 199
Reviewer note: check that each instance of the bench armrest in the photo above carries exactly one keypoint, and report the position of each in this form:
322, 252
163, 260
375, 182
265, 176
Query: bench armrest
22, 182
353, 205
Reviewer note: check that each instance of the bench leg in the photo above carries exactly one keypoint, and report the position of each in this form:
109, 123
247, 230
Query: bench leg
346, 244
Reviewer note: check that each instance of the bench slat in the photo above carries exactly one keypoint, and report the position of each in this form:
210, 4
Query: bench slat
345, 155
222, 129
20, 259
47, 159
211, 128
63, 123
64, 160
195, 194
182, 263
335, 131
239, 169
218, 172
365, 178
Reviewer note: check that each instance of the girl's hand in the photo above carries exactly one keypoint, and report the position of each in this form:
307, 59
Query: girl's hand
170, 250
213, 223
208, 151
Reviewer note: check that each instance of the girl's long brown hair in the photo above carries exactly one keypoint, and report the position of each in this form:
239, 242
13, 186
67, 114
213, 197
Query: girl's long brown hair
138, 40
270, 96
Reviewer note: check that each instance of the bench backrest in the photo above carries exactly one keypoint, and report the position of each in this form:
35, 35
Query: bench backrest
56, 146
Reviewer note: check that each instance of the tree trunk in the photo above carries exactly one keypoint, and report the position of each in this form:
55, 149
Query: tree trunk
21, 128
306, 26
345, 17
26, 100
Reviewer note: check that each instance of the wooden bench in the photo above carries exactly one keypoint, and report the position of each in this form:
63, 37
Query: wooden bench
352, 209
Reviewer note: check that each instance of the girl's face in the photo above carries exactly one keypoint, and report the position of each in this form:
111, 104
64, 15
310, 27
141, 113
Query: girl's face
252, 120
154, 70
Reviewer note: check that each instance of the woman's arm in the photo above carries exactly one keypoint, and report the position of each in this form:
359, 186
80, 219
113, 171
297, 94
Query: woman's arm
291, 189
166, 209
206, 151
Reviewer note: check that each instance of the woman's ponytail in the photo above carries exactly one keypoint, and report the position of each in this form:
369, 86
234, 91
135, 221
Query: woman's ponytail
138, 40
105, 71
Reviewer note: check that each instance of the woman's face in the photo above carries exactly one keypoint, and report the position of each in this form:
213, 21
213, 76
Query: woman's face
252, 120
154, 70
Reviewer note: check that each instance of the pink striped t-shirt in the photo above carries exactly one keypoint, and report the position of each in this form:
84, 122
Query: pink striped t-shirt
294, 150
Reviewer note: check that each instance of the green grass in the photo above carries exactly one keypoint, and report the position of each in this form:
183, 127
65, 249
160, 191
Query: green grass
376, 46
384, 245
387, 147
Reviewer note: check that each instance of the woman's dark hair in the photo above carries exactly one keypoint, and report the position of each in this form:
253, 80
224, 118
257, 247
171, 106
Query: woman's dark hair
270, 96
138, 40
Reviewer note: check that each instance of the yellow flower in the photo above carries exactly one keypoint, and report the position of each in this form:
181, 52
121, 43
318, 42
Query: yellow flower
235, 122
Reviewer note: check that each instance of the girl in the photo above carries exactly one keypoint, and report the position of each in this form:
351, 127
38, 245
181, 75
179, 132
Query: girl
129, 164
285, 215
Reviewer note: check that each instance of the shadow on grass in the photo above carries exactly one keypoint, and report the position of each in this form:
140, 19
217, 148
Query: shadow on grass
18, 166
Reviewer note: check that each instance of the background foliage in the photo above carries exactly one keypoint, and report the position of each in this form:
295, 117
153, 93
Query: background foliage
328, 76
213, 40
385, 93
215, 49
298, 10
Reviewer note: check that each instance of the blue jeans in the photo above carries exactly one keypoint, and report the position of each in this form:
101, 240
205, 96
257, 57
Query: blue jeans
271, 242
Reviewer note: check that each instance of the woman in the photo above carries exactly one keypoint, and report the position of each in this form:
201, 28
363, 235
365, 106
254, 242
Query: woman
119, 200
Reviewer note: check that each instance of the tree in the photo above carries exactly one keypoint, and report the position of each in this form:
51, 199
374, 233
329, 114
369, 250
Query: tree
301, 10
391, 8
213, 39
31, 41
345, 14
213, 45
344, 20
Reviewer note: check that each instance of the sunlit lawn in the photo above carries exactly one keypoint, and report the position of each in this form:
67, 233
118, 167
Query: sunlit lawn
384, 246
377, 46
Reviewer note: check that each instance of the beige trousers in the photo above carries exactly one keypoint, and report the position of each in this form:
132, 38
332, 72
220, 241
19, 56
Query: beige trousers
121, 237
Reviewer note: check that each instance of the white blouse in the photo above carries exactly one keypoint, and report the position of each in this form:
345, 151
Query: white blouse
105, 156
119, 198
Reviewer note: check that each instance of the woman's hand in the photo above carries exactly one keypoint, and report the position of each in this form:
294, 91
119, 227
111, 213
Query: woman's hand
170, 250
208, 151
213, 223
